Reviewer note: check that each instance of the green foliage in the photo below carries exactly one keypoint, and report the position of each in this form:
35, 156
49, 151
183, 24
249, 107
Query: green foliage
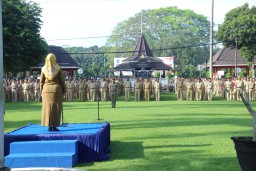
157, 74
93, 62
243, 73
238, 30
189, 71
169, 31
23, 47
168, 75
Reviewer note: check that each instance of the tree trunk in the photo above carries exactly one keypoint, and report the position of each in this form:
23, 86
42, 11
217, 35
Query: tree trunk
246, 102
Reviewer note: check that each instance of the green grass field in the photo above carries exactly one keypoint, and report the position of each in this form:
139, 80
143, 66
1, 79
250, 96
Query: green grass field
165, 135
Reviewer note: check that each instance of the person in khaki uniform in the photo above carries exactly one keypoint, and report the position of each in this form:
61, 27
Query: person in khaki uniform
120, 86
25, 88
147, 89
103, 90
127, 89
198, 89
157, 89
137, 88
239, 88
85, 89
179, 86
37, 91
141, 87
93, 90
20, 92
52, 88
81, 91
209, 89
70, 89
234, 88
113, 92
31, 89
229, 89
189, 90
251, 86
14, 87
8, 90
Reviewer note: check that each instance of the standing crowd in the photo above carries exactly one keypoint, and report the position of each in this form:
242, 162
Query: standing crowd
204, 89
26, 90
144, 89
22, 90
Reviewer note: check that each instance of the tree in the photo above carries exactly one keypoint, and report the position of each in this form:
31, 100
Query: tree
22, 45
93, 62
238, 30
169, 32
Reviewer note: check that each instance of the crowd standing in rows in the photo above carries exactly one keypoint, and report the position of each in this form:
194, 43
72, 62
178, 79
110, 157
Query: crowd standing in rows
85, 89
144, 89
204, 89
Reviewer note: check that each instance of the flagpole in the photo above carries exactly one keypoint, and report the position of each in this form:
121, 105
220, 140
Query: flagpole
211, 41
1, 94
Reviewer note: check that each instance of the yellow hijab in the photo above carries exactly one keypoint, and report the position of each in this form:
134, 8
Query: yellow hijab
51, 68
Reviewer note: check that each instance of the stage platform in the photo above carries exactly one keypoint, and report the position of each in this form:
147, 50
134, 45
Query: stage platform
93, 138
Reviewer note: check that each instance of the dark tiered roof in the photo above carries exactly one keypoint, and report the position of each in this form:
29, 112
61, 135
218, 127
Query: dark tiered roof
226, 57
142, 59
62, 58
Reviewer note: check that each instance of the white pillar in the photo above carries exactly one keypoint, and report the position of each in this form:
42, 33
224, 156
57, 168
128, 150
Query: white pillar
1, 93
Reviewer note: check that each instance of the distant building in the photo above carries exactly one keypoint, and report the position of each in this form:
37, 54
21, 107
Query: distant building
67, 63
142, 62
230, 59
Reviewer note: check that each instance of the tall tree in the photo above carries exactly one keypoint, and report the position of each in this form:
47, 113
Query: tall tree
239, 30
169, 31
93, 62
22, 44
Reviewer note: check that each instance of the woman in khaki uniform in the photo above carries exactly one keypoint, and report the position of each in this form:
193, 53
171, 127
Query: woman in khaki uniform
53, 88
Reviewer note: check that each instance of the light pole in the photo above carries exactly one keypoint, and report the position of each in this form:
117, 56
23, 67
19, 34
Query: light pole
1, 94
211, 40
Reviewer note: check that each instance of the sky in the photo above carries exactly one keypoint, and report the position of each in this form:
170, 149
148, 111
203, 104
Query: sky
89, 22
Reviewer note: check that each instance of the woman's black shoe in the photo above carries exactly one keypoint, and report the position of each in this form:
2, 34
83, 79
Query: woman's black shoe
50, 129
55, 129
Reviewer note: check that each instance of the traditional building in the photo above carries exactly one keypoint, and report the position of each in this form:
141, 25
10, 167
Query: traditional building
142, 60
67, 63
229, 58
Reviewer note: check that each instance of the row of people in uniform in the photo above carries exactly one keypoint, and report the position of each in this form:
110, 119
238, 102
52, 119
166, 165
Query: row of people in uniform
90, 90
21, 90
205, 89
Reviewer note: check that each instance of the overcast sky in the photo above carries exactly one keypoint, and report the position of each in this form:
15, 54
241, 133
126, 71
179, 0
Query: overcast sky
76, 22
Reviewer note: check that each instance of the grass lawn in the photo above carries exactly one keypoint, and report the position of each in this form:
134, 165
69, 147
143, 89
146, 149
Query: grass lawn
165, 135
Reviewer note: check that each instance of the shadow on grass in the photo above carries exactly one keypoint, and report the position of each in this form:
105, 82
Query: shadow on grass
17, 124
122, 151
178, 146
180, 122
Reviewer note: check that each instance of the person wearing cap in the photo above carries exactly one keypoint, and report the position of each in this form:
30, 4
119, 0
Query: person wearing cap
137, 87
70, 88
92, 86
37, 91
239, 88
157, 89
103, 90
198, 89
25, 88
52, 88
127, 89
113, 92
147, 89
251, 86
229, 89
14, 87
189, 90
